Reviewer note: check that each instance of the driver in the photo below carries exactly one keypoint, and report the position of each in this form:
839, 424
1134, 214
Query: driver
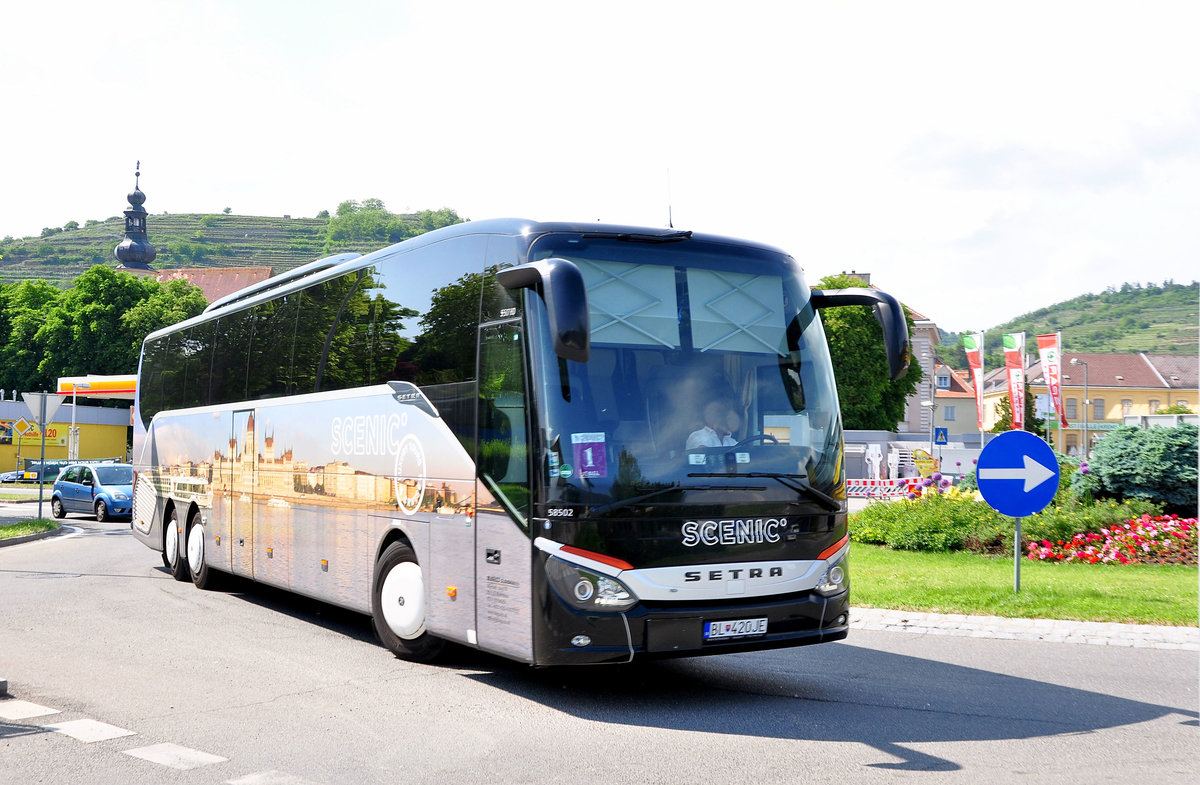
720, 421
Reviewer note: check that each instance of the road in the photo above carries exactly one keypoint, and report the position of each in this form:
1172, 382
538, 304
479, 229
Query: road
253, 686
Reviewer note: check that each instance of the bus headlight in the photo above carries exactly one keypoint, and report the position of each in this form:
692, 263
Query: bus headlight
587, 590
834, 579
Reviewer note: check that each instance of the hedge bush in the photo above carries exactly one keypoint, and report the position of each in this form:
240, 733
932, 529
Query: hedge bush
957, 521
1156, 464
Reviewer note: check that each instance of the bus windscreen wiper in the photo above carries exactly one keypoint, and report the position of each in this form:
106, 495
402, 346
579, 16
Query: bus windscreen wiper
795, 482
616, 505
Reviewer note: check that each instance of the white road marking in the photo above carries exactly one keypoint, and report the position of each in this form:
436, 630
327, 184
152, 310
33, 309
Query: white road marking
89, 731
21, 710
175, 756
271, 777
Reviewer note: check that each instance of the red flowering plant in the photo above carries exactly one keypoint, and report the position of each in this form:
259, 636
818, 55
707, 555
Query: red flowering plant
1161, 539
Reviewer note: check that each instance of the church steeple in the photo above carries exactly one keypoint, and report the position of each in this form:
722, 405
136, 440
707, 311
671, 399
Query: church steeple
135, 251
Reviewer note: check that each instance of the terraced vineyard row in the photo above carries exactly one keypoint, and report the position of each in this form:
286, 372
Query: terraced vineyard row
184, 240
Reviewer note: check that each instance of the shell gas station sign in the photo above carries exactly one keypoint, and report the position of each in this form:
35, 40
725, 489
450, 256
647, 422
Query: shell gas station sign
124, 387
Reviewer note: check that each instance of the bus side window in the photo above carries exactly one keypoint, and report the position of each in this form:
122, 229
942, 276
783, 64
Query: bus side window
230, 357
503, 453
270, 362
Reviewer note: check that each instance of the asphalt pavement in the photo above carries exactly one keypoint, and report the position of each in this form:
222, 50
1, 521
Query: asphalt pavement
912, 622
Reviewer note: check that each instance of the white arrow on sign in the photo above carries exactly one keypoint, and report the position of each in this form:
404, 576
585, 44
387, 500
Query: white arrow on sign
1033, 473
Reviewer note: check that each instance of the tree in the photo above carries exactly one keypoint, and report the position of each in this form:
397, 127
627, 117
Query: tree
869, 398
369, 225
168, 304
227, 210
96, 327
22, 309
1175, 408
1033, 424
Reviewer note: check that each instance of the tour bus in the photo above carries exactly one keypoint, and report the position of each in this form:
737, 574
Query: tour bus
559, 443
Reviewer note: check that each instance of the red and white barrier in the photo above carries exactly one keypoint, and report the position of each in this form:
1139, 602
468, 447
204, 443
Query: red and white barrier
881, 489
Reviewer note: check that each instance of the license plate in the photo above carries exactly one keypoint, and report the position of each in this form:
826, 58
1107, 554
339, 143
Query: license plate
740, 628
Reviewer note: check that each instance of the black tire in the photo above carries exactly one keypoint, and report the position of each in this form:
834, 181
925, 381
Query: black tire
197, 544
57, 509
175, 560
399, 582
101, 511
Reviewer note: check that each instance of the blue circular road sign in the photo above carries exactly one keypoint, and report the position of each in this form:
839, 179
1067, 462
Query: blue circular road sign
1017, 474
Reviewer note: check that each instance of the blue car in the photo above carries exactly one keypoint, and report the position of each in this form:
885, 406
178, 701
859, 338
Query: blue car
104, 490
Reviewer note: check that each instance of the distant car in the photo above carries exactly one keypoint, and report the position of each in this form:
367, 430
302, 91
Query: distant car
42, 473
104, 490
10, 476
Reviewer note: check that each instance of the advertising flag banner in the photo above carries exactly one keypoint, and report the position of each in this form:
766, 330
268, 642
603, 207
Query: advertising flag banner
1050, 353
1014, 362
973, 344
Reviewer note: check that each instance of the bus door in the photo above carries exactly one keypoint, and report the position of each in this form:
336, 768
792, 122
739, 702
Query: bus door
240, 481
503, 551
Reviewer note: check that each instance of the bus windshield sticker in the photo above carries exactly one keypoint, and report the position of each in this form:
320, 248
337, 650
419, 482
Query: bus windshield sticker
588, 451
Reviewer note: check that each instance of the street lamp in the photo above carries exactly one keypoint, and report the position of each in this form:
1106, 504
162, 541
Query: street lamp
73, 452
1086, 404
932, 407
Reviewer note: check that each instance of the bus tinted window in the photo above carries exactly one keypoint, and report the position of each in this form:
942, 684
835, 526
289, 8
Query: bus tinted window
271, 349
196, 350
412, 317
232, 351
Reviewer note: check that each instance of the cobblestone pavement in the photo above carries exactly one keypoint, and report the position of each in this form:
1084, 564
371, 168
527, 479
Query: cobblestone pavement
1052, 630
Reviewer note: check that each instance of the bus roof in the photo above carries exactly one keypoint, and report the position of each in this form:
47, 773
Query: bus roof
333, 266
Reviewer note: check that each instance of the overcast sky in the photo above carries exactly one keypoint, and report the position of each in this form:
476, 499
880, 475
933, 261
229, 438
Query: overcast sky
981, 160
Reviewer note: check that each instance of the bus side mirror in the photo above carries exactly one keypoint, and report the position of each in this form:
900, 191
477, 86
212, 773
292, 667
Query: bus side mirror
560, 285
888, 312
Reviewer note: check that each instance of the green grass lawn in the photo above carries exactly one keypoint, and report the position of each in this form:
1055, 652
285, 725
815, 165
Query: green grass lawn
33, 526
961, 582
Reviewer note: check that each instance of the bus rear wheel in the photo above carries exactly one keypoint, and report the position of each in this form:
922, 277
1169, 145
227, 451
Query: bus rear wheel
171, 558
202, 576
398, 606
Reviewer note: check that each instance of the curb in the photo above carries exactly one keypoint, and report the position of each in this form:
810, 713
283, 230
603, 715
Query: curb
7, 541
1140, 636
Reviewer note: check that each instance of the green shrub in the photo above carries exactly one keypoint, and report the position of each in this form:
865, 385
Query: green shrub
1155, 464
950, 522
939, 522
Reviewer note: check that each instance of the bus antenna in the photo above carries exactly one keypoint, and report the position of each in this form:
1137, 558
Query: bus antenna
670, 219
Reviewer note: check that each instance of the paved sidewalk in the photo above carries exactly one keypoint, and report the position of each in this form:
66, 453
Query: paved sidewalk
1052, 630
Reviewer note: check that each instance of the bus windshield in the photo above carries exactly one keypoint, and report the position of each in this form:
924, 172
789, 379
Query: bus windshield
708, 370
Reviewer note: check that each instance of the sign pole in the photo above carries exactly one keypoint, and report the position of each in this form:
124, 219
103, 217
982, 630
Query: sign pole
1018, 476
42, 460
42, 406
1017, 556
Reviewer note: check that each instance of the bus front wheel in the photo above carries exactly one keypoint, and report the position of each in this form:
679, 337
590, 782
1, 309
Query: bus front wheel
398, 606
